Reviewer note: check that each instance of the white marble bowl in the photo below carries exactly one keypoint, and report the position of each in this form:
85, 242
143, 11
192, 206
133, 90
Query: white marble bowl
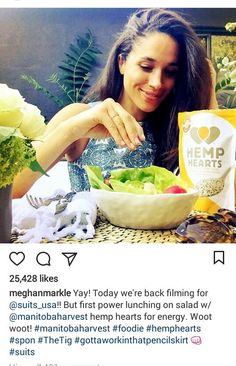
158, 211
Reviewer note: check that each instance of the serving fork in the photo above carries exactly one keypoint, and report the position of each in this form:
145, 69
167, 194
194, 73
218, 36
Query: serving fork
63, 201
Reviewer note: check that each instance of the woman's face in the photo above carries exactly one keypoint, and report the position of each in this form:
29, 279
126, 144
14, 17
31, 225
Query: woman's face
149, 73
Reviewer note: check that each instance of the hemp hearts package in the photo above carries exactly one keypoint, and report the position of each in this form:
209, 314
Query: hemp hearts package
207, 143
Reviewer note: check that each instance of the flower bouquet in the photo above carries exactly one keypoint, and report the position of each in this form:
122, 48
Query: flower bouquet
20, 124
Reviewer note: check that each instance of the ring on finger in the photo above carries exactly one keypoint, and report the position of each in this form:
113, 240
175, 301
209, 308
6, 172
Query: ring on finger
115, 115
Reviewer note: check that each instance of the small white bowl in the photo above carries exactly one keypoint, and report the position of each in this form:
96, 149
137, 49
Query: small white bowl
135, 211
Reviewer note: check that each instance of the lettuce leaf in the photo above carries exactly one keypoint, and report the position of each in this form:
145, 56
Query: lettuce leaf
95, 177
128, 186
148, 180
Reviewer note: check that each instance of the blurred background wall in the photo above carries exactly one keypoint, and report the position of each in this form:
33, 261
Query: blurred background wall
34, 40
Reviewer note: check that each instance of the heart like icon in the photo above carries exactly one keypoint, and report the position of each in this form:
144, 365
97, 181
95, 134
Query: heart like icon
17, 258
208, 135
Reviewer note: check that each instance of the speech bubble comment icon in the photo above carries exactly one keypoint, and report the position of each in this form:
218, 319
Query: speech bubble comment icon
17, 257
43, 259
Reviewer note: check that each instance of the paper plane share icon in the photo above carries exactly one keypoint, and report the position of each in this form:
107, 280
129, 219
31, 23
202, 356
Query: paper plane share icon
70, 256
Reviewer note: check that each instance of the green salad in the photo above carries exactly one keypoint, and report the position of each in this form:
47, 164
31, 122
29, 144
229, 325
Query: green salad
149, 180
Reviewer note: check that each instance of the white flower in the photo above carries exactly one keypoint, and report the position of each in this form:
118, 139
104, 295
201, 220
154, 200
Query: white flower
230, 26
222, 75
232, 76
10, 118
20, 123
16, 113
225, 61
10, 103
32, 125
10, 99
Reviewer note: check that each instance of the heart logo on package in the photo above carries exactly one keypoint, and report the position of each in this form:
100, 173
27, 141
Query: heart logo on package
206, 134
17, 257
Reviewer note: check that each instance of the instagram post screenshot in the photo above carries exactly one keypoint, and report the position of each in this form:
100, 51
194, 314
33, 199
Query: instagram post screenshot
117, 184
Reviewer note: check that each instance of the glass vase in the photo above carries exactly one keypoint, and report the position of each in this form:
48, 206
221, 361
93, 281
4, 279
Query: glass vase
5, 214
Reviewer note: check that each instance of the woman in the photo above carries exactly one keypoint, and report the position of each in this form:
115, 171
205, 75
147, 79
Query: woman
156, 68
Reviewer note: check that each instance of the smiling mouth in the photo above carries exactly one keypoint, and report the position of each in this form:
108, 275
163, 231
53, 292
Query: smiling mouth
151, 95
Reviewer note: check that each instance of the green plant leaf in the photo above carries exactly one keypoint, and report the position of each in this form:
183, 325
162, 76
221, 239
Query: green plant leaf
231, 101
36, 167
34, 83
222, 84
74, 72
7, 132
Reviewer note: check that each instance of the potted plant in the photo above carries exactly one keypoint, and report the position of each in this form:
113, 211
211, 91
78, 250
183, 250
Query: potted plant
20, 124
226, 82
226, 77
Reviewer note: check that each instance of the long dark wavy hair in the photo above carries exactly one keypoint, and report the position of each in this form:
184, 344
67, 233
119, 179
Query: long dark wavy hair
193, 84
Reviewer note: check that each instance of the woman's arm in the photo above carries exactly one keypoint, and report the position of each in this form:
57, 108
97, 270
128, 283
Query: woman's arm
55, 143
68, 132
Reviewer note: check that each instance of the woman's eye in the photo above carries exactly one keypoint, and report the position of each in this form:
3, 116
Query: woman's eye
146, 67
171, 73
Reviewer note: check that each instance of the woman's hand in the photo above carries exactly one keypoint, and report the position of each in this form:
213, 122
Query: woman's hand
68, 133
110, 119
